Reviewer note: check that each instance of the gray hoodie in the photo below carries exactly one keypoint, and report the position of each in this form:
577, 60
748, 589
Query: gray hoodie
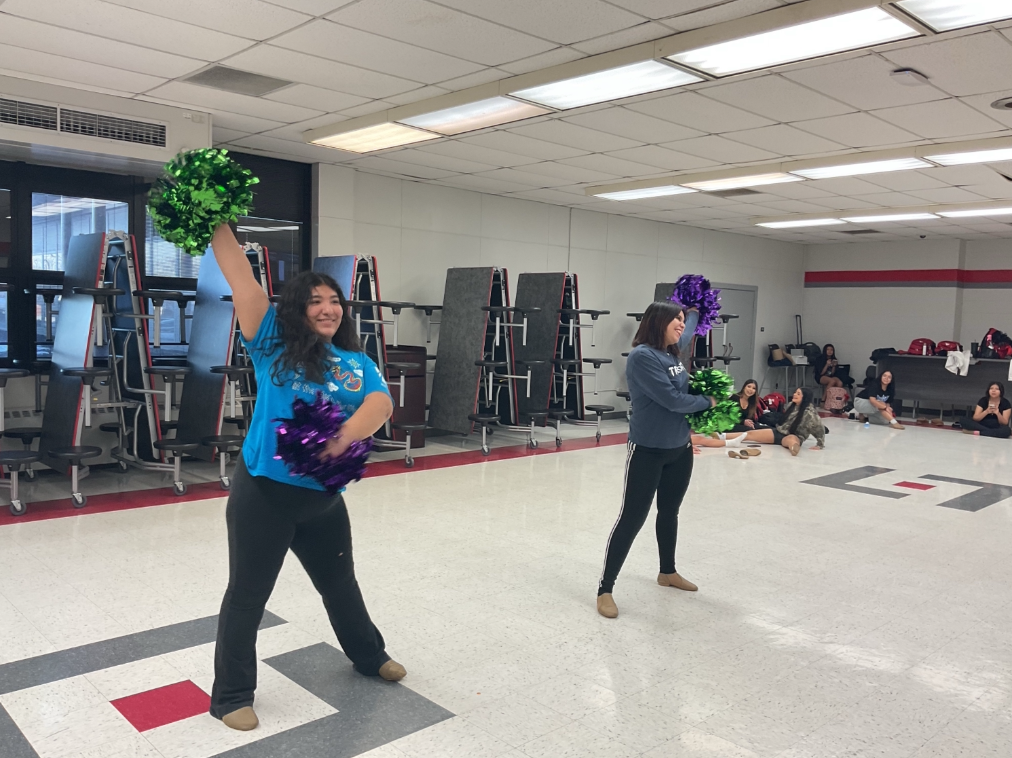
659, 388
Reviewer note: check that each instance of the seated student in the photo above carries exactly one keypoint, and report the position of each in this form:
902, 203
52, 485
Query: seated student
874, 402
991, 416
825, 368
748, 401
800, 421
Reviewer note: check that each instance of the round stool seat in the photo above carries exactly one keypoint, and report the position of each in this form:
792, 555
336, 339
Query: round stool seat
25, 435
595, 314
88, 375
168, 426
232, 372
19, 457
176, 446
560, 414
537, 362
623, 394
565, 362
597, 362
111, 427
11, 373
406, 426
599, 409
483, 418
491, 364
167, 370
537, 415
99, 291
222, 441
400, 366
76, 453
238, 421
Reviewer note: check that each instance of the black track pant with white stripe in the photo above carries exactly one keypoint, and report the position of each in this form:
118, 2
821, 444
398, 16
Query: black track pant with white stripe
648, 471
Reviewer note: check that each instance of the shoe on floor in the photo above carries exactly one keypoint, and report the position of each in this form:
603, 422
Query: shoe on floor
392, 671
606, 606
897, 426
242, 720
677, 581
971, 431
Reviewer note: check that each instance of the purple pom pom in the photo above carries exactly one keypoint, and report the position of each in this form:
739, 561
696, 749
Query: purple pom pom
302, 438
693, 291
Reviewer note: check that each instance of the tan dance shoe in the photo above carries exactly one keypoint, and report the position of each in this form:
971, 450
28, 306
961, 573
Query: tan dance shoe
606, 606
392, 671
242, 720
677, 581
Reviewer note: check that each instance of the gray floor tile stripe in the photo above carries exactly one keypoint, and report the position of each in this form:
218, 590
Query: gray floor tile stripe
842, 481
988, 494
13, 744
75, 661
371, 712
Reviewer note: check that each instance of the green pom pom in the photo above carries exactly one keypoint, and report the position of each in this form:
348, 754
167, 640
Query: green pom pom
725, 414
200, 191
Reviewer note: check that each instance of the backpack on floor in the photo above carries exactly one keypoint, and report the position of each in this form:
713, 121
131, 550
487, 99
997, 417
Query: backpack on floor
775, 402
834, 398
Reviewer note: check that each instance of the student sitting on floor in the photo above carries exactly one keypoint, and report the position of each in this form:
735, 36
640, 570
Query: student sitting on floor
874, 402
749, 402
800, 421
991, 416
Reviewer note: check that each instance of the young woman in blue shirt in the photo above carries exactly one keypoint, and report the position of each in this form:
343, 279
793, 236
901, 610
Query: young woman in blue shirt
302, 346
659, 459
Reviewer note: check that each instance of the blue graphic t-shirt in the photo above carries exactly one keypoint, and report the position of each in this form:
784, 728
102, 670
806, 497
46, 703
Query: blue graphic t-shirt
352, 377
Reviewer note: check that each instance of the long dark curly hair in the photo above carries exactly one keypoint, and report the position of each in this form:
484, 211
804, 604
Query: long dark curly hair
303, 348
807, 396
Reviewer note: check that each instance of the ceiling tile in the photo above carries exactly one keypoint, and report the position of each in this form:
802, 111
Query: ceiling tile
233, 121
698, 112
546, 196
580, 137
562, 21
992, 191
794, 206
608, 165
294, 131
903, 181
720, 149
247, 18
34, 35
663, 159
966, 65
839, 203
443, 29
521, 145
416, 95
313, 7
940, 119
959, 176
60, 69
445, 162
983, 102
857, 130
220, 134
863, 83
315, 98
366, 108
891, 199
776, 98
784, 140
667, 8
796, 191
477, 153
542, 60
473, 80
308, 69
572, 174
393, 166
522, 176
484, 184
119, 23
637, 126
205, 97
947, 195
289, 150
365, 50
643, 32
845, 185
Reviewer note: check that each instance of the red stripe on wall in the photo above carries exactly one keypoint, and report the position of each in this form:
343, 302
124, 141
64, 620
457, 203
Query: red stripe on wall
906, 277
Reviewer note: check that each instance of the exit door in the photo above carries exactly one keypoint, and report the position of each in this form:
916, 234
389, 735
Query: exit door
738, 299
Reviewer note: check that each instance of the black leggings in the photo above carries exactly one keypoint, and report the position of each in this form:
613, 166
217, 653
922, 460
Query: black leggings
649, 471
1002, 432
265, 518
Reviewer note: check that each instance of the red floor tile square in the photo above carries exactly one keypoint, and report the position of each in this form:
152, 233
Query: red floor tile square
915, 485
165, 705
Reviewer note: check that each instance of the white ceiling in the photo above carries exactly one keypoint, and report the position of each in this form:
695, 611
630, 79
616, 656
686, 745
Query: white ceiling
354, 57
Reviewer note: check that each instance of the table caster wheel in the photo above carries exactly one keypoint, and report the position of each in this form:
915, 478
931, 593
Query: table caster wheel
533, 444
18, 508
598, 435
226, 483
179, 488
123, 466
409, 462
558, 443
79, 500
30, 473
485, 450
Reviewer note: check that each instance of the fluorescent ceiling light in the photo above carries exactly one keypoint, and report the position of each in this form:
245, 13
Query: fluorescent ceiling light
472, 116
854, 169
943, 15
848, 31
639, 194
977, 212
976, 156
801, 223
756, 180
611, 84
372, 138
890, 217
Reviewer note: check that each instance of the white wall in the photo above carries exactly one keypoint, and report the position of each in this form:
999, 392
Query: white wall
417, 231
986, 308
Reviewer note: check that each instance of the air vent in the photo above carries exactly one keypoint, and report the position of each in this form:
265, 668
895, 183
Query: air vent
111, 127
734, 193
234, 80
27, 114
862, 231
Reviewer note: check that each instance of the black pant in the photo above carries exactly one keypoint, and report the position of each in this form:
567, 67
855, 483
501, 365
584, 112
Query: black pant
1002, 432
649, 471
264, 519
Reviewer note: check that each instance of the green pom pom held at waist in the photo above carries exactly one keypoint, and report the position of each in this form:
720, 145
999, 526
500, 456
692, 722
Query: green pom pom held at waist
725, 414
200, 191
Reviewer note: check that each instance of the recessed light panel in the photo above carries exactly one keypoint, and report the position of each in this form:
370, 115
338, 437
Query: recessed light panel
373, 138
976, 156
943, 15
856, 169
639, 194
472, 116
801, 223
977, 212
848, 31
612, 84
890, 217
756, 180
